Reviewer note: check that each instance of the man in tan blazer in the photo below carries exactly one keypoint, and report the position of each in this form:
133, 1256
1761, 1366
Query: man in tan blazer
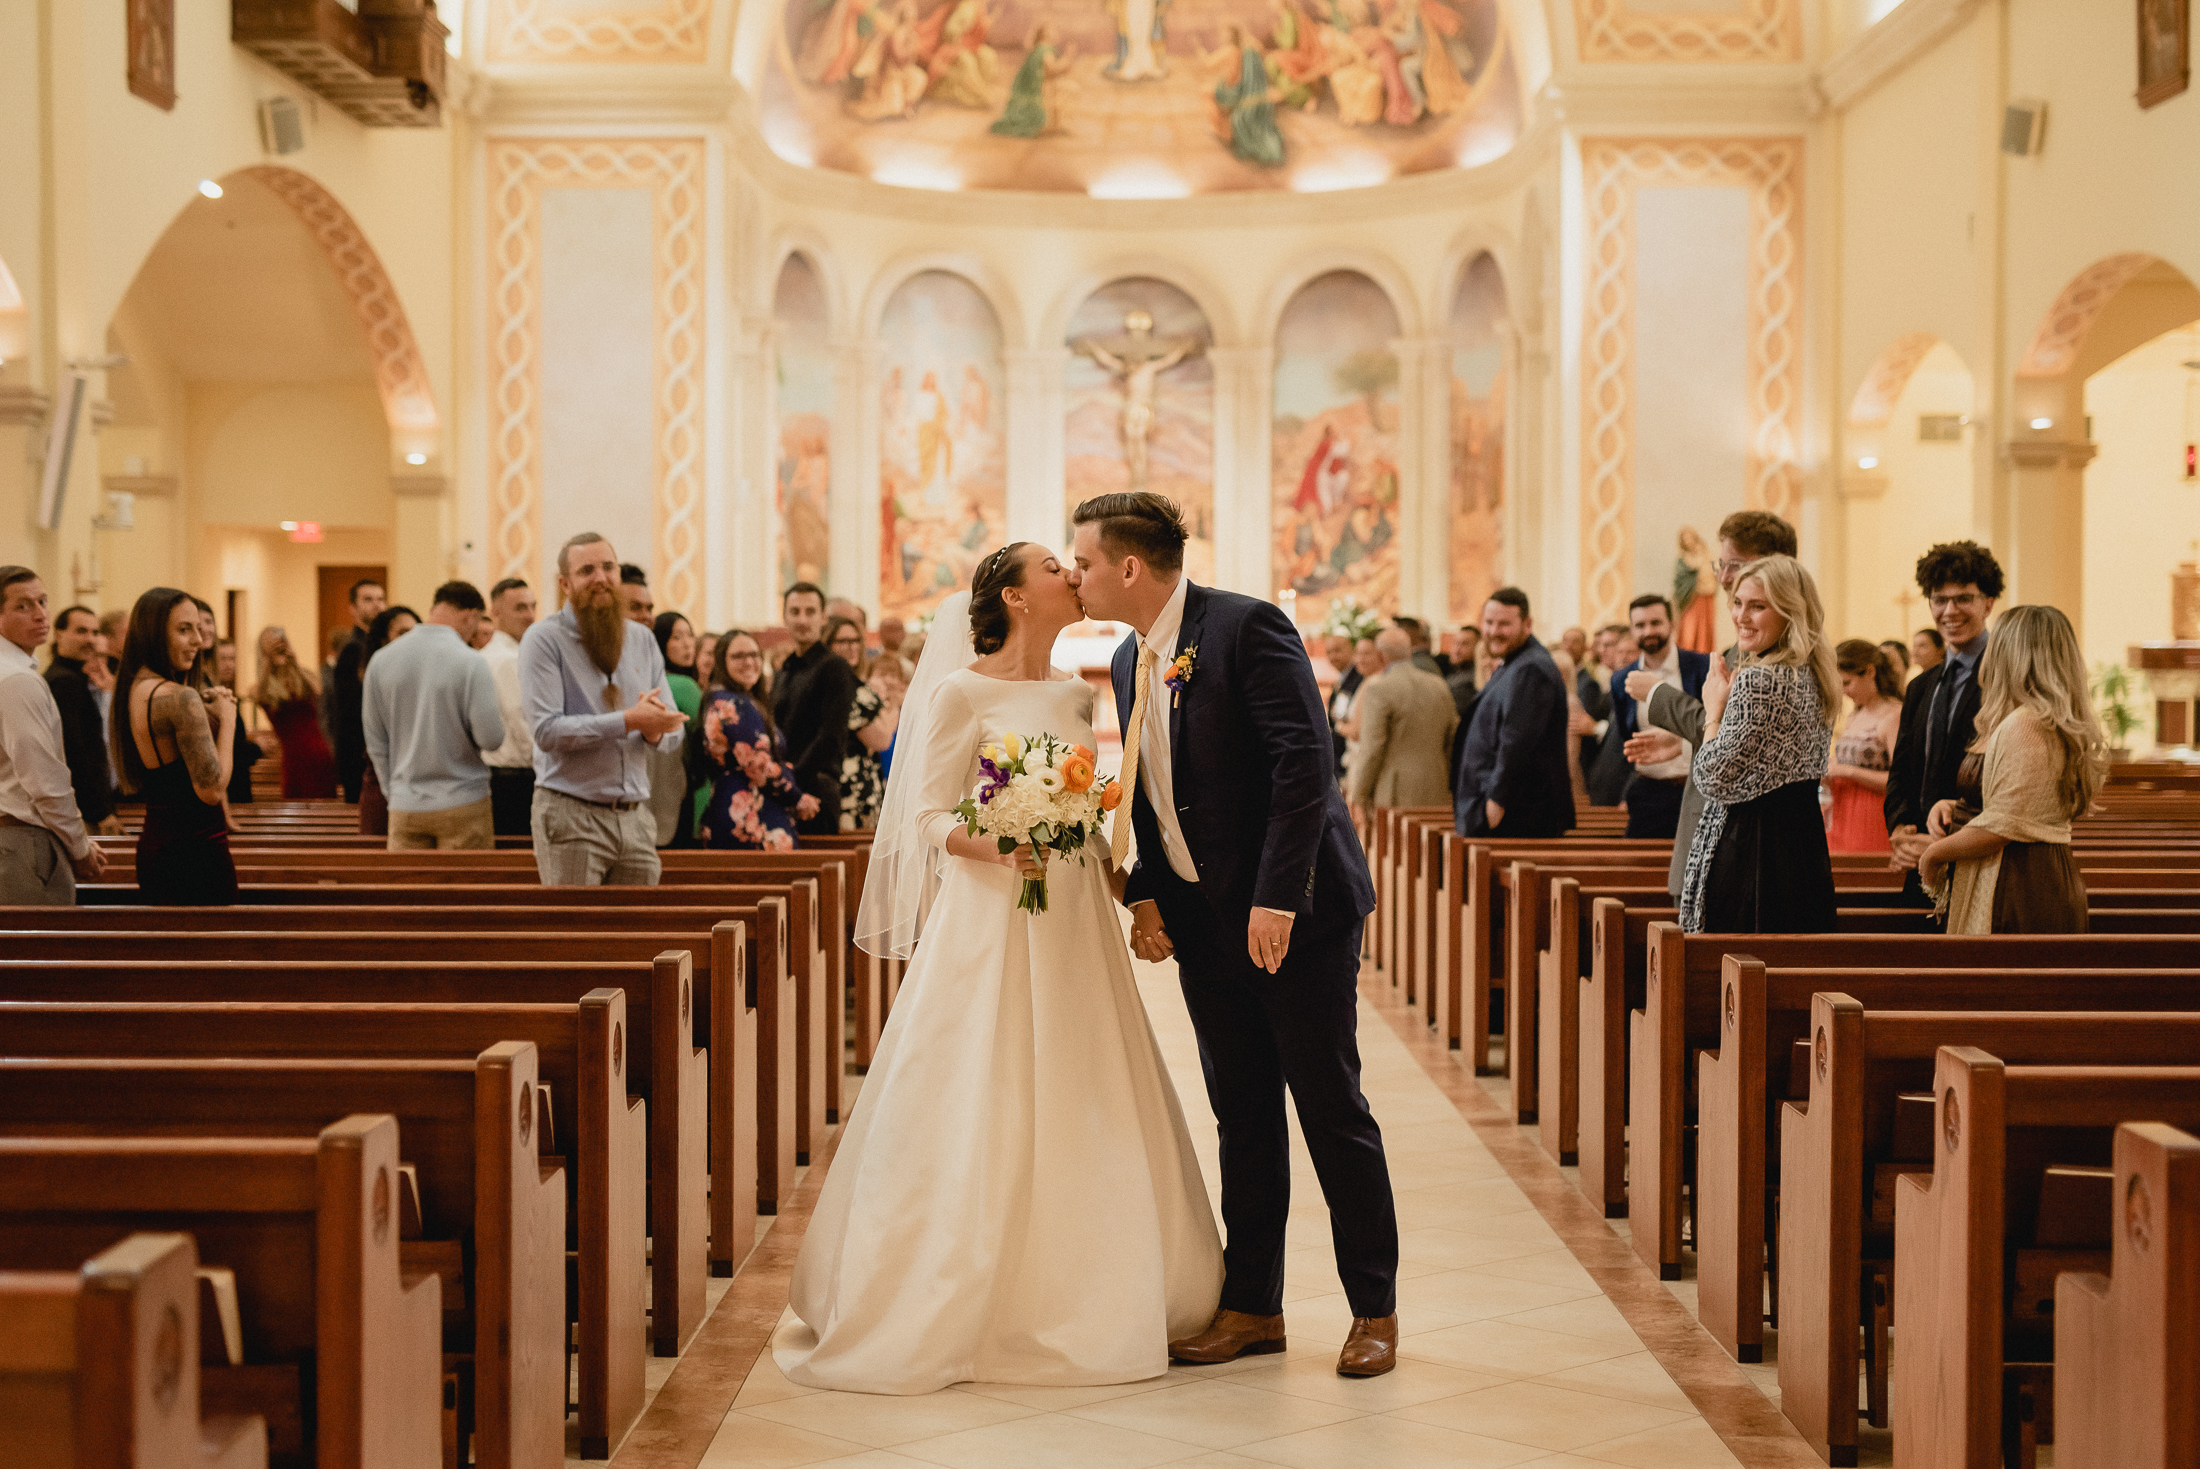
1406, 718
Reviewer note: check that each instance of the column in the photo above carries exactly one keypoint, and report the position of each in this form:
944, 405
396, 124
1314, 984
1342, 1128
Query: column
752, 560
2046, 545
1243, 521
417, 561
852, 571
1424, 475
1037, 483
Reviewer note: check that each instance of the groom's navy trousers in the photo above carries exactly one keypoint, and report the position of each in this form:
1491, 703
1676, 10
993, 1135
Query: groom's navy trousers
1260, 1033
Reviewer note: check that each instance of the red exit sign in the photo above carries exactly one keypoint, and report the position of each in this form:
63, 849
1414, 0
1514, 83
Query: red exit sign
305, 532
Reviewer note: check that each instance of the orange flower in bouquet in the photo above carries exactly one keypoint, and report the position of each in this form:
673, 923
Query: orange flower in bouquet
1112, 797
1077, 770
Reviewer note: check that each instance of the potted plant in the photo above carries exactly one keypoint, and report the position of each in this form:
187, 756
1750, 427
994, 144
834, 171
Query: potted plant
2112, 698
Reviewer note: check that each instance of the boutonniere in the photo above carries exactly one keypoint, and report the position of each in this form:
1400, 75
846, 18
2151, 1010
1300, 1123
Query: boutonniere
1180, 674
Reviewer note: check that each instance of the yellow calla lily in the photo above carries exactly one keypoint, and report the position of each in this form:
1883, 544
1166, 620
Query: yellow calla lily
1015, 746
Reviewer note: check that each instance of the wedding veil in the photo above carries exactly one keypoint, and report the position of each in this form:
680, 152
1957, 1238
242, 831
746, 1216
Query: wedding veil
905, 871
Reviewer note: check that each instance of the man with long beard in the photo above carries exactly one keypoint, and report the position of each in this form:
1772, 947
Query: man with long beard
593, 686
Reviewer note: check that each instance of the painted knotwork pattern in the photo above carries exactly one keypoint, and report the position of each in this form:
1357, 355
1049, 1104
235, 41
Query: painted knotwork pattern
1882, 387
2054, 346
672, 169
399, 373
534, 30
1613, 169
1762, 31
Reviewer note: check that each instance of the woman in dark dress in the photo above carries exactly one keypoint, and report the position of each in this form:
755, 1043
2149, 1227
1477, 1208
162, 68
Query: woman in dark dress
754, 803
1759, 863
172, 745
389, 625
287, 695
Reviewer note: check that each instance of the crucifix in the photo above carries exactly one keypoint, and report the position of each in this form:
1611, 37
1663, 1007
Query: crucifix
1138, 358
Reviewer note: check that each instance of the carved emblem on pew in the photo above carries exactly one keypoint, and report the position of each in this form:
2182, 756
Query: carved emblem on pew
168, 1360
1818, 1052
2139, 1213
618, 1050
1951, 1120
526, 1111
381, 1205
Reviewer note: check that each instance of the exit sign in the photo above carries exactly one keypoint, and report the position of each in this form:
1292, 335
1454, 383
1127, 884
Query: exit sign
305, 532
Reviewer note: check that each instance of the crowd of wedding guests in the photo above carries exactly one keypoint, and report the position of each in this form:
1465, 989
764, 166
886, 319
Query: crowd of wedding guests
605, 731
1962, 753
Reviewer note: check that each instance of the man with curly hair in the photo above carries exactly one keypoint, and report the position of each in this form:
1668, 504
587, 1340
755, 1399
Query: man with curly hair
1960, 580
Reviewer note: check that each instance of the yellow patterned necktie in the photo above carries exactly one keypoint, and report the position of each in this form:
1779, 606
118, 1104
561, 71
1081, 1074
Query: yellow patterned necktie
1119, 839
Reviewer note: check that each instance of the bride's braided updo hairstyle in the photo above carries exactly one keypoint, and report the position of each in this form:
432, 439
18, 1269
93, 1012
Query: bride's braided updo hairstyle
988, 612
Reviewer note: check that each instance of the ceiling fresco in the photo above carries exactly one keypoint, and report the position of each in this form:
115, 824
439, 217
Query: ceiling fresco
1139, 98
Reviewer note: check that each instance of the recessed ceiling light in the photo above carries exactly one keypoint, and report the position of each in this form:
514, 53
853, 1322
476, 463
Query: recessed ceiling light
416, 457
1867, 462
290, 525
210, 189
2043, 423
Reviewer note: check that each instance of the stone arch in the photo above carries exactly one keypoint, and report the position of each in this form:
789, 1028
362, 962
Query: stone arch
1882, 387
798, 240
400, 373
1405, 303
981, 277
1212, 303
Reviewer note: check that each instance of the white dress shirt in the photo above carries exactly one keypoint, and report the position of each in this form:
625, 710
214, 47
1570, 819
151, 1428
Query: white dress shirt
1154, 771
1669, 674
34, 775
518, 750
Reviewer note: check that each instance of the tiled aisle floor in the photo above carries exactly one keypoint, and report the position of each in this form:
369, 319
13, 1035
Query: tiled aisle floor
1511, 1354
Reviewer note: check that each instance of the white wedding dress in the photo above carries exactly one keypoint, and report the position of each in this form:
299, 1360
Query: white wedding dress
1015, 1199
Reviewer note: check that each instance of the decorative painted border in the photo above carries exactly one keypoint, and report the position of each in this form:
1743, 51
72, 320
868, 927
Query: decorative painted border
399, 371
1882, 387
1612, 170
529, 30
1764, 31
672, 169
2054, 346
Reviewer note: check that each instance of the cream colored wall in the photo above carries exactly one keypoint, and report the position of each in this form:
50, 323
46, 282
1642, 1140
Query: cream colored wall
1918, 495
2141, 515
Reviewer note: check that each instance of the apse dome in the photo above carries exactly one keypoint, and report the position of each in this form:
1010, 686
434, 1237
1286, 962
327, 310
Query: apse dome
1132, 99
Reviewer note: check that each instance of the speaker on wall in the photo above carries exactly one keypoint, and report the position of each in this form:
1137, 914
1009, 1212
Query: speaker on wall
2023, 126
282, 126
62, 418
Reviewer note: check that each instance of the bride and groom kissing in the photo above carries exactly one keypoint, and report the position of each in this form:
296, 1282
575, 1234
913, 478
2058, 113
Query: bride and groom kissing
1015, 1198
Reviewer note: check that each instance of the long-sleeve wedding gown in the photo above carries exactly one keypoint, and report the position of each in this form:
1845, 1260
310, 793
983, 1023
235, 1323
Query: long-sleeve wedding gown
1015, 1199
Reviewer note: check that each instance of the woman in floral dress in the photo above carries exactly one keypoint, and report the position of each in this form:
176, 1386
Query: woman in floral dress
754, 803
871, 723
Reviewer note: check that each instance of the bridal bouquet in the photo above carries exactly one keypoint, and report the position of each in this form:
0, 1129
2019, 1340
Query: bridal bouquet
1041, 790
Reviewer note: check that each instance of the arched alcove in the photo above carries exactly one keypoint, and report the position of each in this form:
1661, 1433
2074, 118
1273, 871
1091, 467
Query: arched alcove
1133, 322
943, 467
1335, 445
2140, 409
802, 396
1477, 390
1907, 480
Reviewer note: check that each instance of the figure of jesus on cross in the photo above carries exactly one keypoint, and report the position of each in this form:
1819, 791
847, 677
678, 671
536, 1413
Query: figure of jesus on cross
1138, 358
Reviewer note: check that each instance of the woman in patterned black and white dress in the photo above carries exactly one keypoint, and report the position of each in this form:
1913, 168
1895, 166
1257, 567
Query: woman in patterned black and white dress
1759, 862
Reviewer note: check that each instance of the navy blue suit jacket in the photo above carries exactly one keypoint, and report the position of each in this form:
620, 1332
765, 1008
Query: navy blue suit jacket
1695, 668
1249, 755
1514, 752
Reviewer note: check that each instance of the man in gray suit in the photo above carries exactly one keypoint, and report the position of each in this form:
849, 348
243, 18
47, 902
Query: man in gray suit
1406, 719
1744, 536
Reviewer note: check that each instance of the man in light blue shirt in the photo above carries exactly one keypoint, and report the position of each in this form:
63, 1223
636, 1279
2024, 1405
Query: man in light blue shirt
593, 687
428, 710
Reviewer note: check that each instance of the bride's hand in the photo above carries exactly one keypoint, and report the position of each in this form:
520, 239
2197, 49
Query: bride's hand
1025, 861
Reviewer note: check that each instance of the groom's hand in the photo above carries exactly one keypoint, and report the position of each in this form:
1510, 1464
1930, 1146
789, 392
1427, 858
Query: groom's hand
1149, 940
1268, 938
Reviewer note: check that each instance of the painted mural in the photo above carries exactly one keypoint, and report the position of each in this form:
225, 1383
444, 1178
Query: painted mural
1334, 472
943, 467
1139, 385
1140, 98
1477, 426
804, 369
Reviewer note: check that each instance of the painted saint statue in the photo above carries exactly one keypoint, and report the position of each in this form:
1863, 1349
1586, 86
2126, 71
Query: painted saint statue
1032, 109
1141, 40
1138, 358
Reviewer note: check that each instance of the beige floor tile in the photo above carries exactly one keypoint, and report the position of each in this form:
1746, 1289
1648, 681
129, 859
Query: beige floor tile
1440, 1206
880, 1422
1636, 1377
1546, 1267
1216, 1415
1474, 1296
1051, 1441
1688, 1444
1589, 1316
1526, 1226
1390, 1443
1507, 1350
1329, 1318
765, 1383
1412, 1381
1059, 1399
748, 1442
1540, 1416
1454, 1250
872, 1459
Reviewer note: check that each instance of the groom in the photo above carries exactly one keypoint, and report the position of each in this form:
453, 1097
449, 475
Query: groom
1250, 875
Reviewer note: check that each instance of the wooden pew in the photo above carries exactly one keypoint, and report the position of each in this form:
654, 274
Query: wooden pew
2127, 1357
1684, 993
96, 1367
582, 1050
309, 1226
1839, 1148
471, 1133
1955, 1231
507, 967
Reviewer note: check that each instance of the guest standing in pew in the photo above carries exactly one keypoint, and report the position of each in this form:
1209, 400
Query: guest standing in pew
430, 712
2000, 859
1960, 579
1338, 649
593, 684
347, 685
1758, 861
77, 674
244, 751
174, 757
390, 624
670, 785
739, 759
44, 847
511, 764
872, 720
636, 601
1864, 749
1927, 648
811, 699
1899, 653
286, 695
1513, 777
1406, 723
1676, 719
1654, 787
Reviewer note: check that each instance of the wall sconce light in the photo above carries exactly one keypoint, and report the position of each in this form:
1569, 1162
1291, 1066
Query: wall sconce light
416, 457
2043, 423
1868, 462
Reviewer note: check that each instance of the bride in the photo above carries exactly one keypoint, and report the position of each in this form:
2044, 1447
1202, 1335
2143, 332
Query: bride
1015, 1199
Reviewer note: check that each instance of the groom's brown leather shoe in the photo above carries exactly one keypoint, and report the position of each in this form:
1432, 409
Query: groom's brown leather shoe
1371, 1349
1232, 1334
